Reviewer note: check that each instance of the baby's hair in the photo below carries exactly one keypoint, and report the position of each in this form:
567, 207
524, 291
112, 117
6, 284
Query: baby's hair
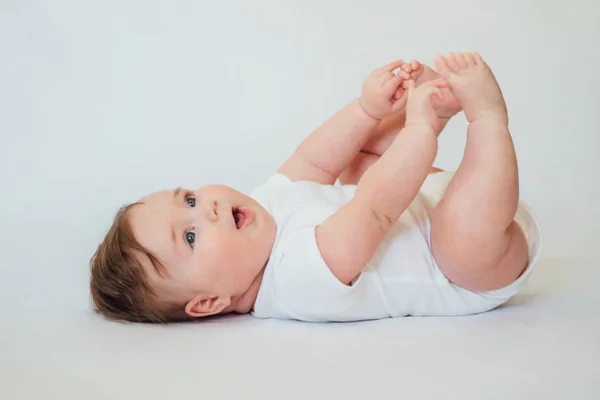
119, 285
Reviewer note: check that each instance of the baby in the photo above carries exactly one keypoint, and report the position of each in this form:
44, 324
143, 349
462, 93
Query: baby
397, 238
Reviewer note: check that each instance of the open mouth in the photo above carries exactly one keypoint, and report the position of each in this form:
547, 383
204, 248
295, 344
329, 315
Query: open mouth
242, 217
238, 217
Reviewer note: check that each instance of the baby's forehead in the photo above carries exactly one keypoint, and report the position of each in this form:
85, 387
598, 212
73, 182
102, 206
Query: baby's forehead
150, 221
155, 208
158, 196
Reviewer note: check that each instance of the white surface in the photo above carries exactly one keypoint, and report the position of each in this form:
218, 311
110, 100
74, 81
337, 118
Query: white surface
544, 344
104, 101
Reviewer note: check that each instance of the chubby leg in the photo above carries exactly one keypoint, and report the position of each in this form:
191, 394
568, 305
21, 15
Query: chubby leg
474, 239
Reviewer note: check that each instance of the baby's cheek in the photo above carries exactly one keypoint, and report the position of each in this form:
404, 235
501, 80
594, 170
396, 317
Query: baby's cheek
217, 253
225, 261
219, 245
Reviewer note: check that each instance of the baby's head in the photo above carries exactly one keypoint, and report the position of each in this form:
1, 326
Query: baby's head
179, 254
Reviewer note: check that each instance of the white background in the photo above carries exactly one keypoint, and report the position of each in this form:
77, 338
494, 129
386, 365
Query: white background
102, 102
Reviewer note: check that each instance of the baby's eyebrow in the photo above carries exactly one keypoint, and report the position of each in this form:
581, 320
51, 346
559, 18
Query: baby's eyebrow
177, 193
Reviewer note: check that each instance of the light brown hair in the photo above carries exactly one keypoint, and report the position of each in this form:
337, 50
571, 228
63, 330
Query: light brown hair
119, 284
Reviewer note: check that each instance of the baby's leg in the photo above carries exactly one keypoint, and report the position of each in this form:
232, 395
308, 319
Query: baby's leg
473, 237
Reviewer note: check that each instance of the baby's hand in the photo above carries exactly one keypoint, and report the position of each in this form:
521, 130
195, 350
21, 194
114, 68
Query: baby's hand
378, 97
419, 110
411, 71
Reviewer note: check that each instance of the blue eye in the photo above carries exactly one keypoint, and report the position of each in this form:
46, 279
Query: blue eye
190, 237
191, 201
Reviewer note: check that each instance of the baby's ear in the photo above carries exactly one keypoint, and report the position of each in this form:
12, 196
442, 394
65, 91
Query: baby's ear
204, 306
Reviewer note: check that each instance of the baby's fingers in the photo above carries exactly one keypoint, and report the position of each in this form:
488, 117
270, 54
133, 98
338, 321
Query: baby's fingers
432, 90
427, 89
389, 67
399, 103
390, 87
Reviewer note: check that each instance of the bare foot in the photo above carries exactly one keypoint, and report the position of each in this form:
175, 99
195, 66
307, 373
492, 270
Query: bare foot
474, 86
420, 73
446, 108
419, 107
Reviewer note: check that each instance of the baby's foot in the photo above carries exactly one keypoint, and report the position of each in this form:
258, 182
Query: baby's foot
420, 73
474, 86
448, 106
419, 107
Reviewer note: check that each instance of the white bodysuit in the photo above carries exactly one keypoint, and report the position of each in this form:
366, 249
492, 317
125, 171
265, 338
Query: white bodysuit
401, 279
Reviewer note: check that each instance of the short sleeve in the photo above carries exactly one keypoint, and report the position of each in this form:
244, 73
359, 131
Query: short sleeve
306, 286
261, 193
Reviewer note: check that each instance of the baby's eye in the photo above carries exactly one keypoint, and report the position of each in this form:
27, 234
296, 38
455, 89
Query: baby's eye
191, 200
190, 237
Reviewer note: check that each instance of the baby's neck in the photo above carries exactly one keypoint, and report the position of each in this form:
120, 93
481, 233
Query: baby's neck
243, 304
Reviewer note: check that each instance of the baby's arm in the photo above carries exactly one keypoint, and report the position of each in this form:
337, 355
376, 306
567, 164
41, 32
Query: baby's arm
348, 239
323, 155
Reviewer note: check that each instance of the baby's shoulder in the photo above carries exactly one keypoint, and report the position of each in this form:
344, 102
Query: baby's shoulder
281, 187
274, 182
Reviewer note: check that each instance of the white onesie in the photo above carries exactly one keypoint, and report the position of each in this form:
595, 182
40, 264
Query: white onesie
401, 279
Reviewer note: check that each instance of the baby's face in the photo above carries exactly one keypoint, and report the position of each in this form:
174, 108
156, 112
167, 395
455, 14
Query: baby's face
213, 240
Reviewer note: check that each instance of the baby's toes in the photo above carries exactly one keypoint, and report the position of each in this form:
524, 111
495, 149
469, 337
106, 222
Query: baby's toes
477, 58
461, 60
441, 65
418, 73
405, 75
470, 59
452, 62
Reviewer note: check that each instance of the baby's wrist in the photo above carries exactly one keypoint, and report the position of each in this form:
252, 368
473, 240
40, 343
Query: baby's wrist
426, 129
364, 110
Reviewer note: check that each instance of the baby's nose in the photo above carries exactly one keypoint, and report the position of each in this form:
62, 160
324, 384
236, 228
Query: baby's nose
212, 211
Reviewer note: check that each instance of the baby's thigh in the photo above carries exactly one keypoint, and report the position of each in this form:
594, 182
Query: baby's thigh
479, 265
475, 265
